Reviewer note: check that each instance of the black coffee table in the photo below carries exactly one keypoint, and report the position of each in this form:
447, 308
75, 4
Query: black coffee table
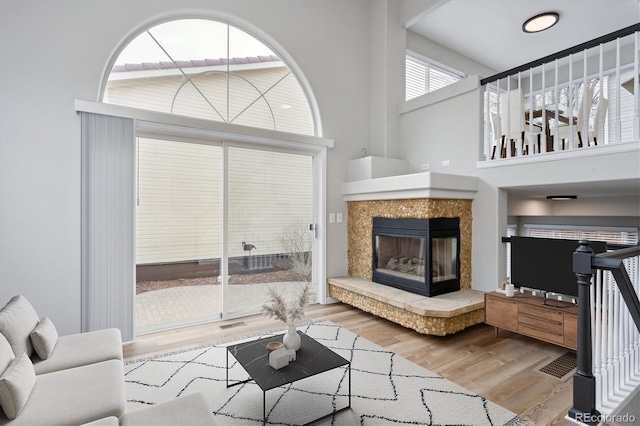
312, 358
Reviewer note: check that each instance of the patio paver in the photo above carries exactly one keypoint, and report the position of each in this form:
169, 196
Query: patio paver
176, 305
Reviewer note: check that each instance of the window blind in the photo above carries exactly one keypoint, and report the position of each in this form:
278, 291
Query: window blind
424, 75
626, 236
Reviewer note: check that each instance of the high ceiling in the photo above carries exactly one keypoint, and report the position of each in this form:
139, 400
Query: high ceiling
490, 31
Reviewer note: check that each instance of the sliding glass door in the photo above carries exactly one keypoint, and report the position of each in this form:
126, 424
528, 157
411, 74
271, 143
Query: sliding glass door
178, 233
217, 225
270, 210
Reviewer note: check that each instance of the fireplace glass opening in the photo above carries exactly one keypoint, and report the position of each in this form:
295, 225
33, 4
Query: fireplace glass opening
417, 255
401, 256
445, 258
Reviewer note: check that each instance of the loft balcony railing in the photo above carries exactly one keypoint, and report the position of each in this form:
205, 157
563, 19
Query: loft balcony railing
583, 97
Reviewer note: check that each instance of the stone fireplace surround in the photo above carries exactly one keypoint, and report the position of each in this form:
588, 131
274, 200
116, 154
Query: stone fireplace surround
360, 216
422, 196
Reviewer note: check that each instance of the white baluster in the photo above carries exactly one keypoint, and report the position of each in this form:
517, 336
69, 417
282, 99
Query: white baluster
637, 288
501, 115
600, 134
617, 389
596, 331
633, 333
586, 106
636, 89
596, 319
532, 143
556, 140
571, 142
520, 117
487, 123
618, 123
631, 377
614, 396
604, 347
623, 316
544, 113
509, 123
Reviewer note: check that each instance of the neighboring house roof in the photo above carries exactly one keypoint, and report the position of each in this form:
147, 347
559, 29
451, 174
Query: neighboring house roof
165, 65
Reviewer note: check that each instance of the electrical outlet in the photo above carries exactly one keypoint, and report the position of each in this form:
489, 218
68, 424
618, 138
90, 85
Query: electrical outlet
425, 166
332, 218
339, 217
446, 163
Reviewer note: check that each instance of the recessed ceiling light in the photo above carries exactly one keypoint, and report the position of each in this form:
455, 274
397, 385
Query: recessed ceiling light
285, 106
540, 22
561, 197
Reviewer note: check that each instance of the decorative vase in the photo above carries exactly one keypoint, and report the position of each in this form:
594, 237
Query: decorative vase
291, 340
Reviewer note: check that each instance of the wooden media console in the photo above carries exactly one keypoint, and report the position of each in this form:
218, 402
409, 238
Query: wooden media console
555, 322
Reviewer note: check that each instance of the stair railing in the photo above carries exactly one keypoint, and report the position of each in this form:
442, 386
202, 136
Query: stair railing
585, 386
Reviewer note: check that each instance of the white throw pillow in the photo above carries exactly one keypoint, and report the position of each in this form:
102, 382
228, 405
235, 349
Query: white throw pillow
16, 384
44, 338
6, 353
17, 321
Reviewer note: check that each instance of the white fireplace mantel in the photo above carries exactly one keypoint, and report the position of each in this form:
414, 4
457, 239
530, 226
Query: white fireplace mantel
416, 185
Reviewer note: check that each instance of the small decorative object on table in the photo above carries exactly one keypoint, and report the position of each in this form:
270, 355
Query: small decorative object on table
272, 346
278, 308
281, 357
509, 290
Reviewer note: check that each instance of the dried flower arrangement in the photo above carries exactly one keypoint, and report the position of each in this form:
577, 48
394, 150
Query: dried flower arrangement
278, 308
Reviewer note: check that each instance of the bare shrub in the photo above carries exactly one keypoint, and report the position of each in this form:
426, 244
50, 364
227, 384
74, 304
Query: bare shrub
296, 242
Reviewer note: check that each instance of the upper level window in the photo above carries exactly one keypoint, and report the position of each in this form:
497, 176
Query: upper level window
211, 70
424, 75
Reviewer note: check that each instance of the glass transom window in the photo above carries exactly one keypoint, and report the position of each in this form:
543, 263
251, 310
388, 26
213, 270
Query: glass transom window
210, 70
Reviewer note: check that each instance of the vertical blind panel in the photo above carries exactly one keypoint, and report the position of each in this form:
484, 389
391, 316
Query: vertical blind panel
108, 223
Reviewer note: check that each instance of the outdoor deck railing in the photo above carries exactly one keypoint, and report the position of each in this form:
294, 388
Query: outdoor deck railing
578, 98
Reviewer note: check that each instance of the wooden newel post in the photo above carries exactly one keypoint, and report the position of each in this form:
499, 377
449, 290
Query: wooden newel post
584, 384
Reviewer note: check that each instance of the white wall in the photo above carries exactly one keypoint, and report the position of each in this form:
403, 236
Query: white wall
387, 71
56, 51
432, 50
603, 207
444, 130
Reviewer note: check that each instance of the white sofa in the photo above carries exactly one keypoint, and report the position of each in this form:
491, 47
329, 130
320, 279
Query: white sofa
46, 379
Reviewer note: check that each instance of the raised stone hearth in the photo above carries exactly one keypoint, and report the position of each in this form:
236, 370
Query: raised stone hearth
439, 316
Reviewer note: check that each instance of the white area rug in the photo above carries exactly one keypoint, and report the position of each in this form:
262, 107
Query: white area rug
385, 389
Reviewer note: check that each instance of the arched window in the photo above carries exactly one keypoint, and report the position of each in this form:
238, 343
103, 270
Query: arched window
211, 70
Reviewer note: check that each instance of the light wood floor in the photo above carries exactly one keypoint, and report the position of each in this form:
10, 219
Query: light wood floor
499, 368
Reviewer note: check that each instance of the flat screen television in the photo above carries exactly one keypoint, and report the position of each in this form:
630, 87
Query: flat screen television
546, 263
